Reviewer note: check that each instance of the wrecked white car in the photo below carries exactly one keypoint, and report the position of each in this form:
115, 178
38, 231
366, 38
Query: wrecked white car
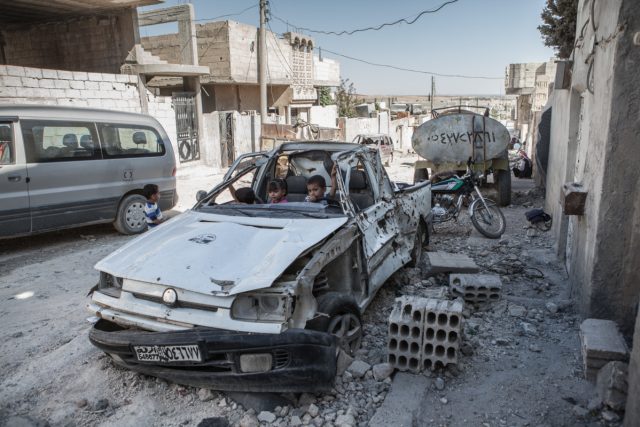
260, 297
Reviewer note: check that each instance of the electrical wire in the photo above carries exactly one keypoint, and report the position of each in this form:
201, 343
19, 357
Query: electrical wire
461, 76
377, 28
228, 15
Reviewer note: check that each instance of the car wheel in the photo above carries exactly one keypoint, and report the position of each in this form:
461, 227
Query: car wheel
342, 320
418, 244
130, 218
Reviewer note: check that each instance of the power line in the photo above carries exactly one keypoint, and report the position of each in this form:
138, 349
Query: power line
461, 76
379, 27
227, 15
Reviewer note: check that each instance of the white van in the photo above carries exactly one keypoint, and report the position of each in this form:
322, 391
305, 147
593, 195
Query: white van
64, 167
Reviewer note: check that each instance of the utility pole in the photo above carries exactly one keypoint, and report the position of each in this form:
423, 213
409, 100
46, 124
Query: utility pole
433, 91
262, 61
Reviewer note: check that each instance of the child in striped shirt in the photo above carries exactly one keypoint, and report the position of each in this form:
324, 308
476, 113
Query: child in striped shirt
152, 214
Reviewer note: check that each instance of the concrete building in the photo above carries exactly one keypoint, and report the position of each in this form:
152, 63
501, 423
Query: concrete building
229, 49
88, 54
531, 83
594, 144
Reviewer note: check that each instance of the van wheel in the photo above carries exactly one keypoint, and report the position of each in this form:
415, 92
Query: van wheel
342, 320
130, 217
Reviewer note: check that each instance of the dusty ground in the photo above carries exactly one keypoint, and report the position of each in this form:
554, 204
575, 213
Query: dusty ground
520, 364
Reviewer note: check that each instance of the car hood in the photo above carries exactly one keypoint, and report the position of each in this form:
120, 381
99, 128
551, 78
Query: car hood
217, 254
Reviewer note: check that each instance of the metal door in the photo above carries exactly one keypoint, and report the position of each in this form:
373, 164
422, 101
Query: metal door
184, 103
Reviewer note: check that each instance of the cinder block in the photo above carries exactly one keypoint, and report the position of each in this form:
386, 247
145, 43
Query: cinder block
80, 75
49, 74
65, 75
443, 262
11, 81
30, 82
35, 73
61, 84
13, 70
601, 342
106, 86
405, 333
96, 77
476, 289
442, 333
76, 84
47, 84
8, 92
91, 85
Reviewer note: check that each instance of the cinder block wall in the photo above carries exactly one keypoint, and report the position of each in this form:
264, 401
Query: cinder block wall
23, 85
95, 43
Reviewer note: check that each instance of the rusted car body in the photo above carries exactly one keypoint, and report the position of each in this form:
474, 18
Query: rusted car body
261, 297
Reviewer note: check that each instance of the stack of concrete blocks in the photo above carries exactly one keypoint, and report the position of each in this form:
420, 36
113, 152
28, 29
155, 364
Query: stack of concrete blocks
601, 343
477, 289
424, 333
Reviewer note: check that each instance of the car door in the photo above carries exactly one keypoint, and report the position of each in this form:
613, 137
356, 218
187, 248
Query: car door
377, 223
67, 175
15, 217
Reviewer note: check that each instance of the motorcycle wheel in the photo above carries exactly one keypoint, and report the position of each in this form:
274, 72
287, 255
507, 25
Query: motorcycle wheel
489, 221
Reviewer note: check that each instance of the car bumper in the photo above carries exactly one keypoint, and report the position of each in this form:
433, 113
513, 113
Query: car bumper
301, 360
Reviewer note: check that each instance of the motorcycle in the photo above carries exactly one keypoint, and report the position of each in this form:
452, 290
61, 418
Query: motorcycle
452, 192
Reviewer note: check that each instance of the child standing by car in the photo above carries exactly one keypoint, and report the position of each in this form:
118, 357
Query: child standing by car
152, 213
277, 190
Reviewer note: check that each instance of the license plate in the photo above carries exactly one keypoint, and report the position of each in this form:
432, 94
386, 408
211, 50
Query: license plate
167, 353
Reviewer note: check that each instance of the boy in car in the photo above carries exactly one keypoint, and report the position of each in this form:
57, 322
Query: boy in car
317, 188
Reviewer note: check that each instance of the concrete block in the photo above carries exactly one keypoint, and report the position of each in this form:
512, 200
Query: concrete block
402, 405
62, 84
601, 341
612, 384
80, 75
442, 333
406, 329
13, 70
106, 86
76, 84
443, 262
65, 75
7, 91
476, 289
11, 81
96, 77
30, 82
3, 70
47, 84
91, 85
72, 93
35, 73
49, 74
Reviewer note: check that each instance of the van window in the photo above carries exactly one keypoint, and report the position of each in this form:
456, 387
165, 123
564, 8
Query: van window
54, 141
7, 150
130, 141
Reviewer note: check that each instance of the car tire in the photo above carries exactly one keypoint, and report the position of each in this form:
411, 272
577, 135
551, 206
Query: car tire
342, 320
130, 217
503, 185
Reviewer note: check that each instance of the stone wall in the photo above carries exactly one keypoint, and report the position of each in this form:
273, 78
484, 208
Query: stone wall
95, 43
25, 85
602, 111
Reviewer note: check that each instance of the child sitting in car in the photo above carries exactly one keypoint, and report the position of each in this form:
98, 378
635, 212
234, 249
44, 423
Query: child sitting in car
317, 188
277, 190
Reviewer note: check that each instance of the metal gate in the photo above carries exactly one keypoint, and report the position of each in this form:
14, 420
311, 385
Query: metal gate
184, 104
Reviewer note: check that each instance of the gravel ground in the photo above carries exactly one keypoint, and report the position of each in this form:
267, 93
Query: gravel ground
519, 363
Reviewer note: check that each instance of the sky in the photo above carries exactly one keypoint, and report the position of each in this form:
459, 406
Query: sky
466, 37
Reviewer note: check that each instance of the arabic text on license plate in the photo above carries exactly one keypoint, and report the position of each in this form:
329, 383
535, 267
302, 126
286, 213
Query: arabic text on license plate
167, 353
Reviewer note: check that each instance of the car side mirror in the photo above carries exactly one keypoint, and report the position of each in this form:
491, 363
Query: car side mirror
201, 195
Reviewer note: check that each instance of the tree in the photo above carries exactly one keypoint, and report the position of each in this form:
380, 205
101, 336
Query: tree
346, 99
324, 96
559, 26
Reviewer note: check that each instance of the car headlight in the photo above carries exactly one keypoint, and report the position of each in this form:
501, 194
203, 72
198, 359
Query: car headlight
261, 307
110, 284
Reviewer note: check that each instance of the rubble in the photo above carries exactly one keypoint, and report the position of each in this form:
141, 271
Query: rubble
612, 384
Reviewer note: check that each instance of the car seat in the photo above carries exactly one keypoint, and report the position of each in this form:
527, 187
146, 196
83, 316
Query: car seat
296, 188
359, 191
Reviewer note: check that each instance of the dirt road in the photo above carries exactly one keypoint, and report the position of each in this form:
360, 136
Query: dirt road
520, 367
